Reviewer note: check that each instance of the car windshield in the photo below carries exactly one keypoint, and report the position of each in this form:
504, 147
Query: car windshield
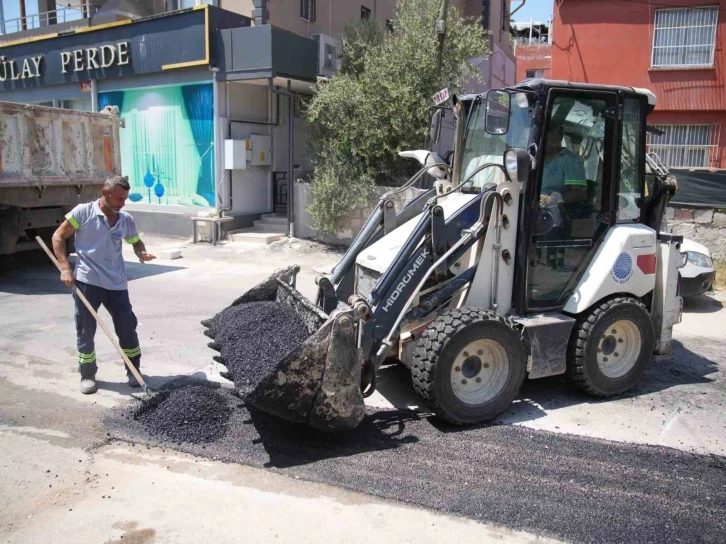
481, 148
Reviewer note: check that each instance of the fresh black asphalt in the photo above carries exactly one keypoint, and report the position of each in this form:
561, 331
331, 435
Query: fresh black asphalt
573, 488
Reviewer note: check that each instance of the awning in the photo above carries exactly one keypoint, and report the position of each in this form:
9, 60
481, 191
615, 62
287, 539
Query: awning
263, 52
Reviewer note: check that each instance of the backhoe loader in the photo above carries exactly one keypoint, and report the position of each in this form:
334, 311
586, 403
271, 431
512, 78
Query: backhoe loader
537, 252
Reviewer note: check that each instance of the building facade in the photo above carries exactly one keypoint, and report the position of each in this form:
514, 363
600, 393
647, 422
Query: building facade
675, 51
499, 68
533, 50
188, 76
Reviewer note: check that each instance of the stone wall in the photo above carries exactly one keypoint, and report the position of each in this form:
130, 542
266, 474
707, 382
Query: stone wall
350, 225
705, 226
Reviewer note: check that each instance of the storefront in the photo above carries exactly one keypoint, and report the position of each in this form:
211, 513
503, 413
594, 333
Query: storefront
183, 82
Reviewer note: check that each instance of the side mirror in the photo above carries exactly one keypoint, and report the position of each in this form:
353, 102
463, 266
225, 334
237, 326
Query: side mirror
497, 112
435, 130
518, 164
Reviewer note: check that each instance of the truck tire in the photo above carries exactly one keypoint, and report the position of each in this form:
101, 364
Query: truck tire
469, 365
611, 346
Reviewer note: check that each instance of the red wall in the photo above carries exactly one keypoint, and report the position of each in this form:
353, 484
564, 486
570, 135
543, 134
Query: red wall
533, 57
610, 42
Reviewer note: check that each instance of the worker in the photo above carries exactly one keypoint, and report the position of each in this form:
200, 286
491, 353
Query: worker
100, 273
564, 184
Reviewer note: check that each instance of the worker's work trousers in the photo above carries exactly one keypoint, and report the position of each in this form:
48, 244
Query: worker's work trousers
124, 321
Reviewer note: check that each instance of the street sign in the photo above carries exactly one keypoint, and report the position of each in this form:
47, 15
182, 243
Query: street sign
441, 97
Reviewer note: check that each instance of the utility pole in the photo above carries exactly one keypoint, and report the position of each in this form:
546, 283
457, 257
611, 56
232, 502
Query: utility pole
441, 33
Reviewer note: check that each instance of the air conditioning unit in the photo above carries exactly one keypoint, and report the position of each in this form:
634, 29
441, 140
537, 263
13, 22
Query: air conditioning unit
328, 61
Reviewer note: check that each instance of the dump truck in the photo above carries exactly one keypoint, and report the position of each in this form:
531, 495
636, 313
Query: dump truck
538, 252
50, 160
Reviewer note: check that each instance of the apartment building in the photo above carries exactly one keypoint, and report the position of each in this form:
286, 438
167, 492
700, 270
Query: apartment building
533, 50
676, 50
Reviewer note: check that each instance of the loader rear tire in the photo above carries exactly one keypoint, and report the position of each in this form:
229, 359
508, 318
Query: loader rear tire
469, 365
611, 346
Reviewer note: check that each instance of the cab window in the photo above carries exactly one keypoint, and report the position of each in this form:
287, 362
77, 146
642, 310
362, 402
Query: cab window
631, 162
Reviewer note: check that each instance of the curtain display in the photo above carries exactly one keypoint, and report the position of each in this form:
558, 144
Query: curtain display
113, 98
167, 147
199, 105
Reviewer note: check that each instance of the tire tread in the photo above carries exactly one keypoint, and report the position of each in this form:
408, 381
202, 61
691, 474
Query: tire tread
576, 350
432, 343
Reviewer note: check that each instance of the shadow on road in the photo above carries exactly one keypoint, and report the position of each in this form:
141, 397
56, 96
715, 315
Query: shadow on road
537, 397
289, 444
702, 304
155, 383
31, 273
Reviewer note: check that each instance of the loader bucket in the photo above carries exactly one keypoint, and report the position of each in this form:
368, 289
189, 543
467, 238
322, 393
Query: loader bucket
318, 383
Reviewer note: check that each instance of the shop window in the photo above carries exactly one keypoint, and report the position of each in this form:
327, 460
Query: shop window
365, 13
167, 147
307, 10
684, 37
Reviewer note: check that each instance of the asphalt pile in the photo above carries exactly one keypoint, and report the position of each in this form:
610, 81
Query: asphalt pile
253, 339
194, 414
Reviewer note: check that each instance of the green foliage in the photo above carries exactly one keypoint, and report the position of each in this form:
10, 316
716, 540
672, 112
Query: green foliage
378, 104
358, 39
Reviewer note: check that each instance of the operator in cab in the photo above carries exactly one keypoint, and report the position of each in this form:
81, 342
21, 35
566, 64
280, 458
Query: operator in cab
564, 172
564, 186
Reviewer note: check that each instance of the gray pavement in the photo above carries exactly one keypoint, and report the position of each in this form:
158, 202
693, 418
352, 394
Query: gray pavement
163, 496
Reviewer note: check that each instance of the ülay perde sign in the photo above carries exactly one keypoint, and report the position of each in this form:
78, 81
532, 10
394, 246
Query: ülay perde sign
91, 58
120, 49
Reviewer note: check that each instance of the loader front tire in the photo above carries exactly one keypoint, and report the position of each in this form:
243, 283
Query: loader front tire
469, 365
611, 346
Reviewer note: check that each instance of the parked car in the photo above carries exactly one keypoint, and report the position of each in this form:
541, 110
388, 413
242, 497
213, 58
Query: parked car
698, 275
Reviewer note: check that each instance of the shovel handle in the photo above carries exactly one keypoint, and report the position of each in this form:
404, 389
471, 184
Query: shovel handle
98, 319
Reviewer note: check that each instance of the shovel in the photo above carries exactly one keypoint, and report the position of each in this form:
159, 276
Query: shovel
101, 324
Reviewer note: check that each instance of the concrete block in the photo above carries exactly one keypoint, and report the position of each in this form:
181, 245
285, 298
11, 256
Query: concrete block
683, 215
703, 216
670, 214
719, 220
170, 254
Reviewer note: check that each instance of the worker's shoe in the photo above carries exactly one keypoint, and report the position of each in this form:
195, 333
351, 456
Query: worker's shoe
133, 382
88, 386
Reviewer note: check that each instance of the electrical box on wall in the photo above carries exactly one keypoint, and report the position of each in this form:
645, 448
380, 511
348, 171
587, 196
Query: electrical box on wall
235, 154
261, 150
243, 154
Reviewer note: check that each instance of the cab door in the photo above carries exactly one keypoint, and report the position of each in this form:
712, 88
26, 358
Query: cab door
574, 193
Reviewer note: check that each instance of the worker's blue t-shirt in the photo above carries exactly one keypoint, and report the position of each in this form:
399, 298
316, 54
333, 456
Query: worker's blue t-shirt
98, 246
566, 169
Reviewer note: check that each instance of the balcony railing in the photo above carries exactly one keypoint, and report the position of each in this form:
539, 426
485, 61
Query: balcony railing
62, 14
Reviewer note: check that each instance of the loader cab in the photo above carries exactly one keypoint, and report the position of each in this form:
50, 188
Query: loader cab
591, 154
587, 144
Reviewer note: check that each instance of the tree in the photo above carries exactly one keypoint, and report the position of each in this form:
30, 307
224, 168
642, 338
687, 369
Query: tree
377, 105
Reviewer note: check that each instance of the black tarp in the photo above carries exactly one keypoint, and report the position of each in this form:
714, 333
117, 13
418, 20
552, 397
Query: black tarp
700, 188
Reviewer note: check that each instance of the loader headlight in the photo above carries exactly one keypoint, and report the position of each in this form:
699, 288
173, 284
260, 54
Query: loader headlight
518, 164
699, 259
